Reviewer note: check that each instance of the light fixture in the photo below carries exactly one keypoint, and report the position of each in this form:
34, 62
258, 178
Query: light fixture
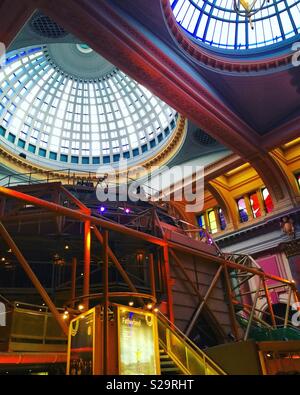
155, 310
102, 209
67, 247
149, 306
248, 8
131, 303
3, 259
80, 307
127, 210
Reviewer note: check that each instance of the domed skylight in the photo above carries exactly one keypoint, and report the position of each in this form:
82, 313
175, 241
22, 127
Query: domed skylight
215, 23
63, 104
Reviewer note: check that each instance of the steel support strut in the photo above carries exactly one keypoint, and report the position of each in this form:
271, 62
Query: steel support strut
105, 302
41, 290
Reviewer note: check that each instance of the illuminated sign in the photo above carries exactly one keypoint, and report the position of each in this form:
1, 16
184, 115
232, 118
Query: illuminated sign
138, 349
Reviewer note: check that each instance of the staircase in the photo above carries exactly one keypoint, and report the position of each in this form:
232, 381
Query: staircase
167, 365
179, 355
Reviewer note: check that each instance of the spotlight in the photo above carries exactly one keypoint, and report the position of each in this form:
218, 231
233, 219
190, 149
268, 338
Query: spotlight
131, 303
102, 209
155, 310
127, 210
66, 247
149, 306
81, 274
80, 307
65, 316
66, 312
3, 259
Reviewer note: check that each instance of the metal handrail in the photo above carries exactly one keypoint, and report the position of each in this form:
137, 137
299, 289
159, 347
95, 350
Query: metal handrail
197, 352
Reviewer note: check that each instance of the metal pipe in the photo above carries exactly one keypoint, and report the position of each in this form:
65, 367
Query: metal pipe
87, 263
229, 264
232, 316
286, 318
262, 289
152, 275
115, 261
200, 307
267, 294
41, 290
168, 283
73, 281
79, 215
252, 311
105, 302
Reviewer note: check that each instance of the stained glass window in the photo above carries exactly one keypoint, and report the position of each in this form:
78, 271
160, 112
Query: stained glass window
255, 206
267, 200
242, 210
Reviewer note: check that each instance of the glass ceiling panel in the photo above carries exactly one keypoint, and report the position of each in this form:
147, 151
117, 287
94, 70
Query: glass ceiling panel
57, 116
215, 23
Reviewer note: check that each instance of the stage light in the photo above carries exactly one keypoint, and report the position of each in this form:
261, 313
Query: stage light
149, 306
131, 303
155, 310
3, 259
80, 307
127, 210
66, 247
102, 209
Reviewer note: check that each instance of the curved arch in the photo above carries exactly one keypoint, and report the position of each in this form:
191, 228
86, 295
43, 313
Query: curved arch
275, 180
226, 202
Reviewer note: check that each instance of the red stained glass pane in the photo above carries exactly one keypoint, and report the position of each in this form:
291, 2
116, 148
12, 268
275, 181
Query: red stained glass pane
254, 202
267, 200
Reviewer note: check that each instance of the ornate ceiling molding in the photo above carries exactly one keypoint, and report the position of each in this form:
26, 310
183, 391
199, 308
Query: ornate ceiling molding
216, 61
161, 158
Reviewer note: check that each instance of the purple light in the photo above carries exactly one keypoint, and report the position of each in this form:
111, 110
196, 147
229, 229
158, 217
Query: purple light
102, 209
127, 210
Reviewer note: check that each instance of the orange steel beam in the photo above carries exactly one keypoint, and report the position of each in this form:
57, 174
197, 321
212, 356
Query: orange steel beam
152, 275
106, 302
75, 200
61, 210
228, 263
73, 282
115, 261
87, 263
79, 215
267, 294
16, 358
6, 236
232, 316
168, 283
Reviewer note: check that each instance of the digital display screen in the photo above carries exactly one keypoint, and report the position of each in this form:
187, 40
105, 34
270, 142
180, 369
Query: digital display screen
138, 349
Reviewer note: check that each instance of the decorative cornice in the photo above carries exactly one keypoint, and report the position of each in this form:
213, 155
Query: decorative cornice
22, 166
213, 60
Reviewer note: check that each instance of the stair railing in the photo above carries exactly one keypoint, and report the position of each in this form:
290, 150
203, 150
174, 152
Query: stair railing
186, 355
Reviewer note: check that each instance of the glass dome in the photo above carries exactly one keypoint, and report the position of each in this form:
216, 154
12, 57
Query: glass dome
66, 106
215, 23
